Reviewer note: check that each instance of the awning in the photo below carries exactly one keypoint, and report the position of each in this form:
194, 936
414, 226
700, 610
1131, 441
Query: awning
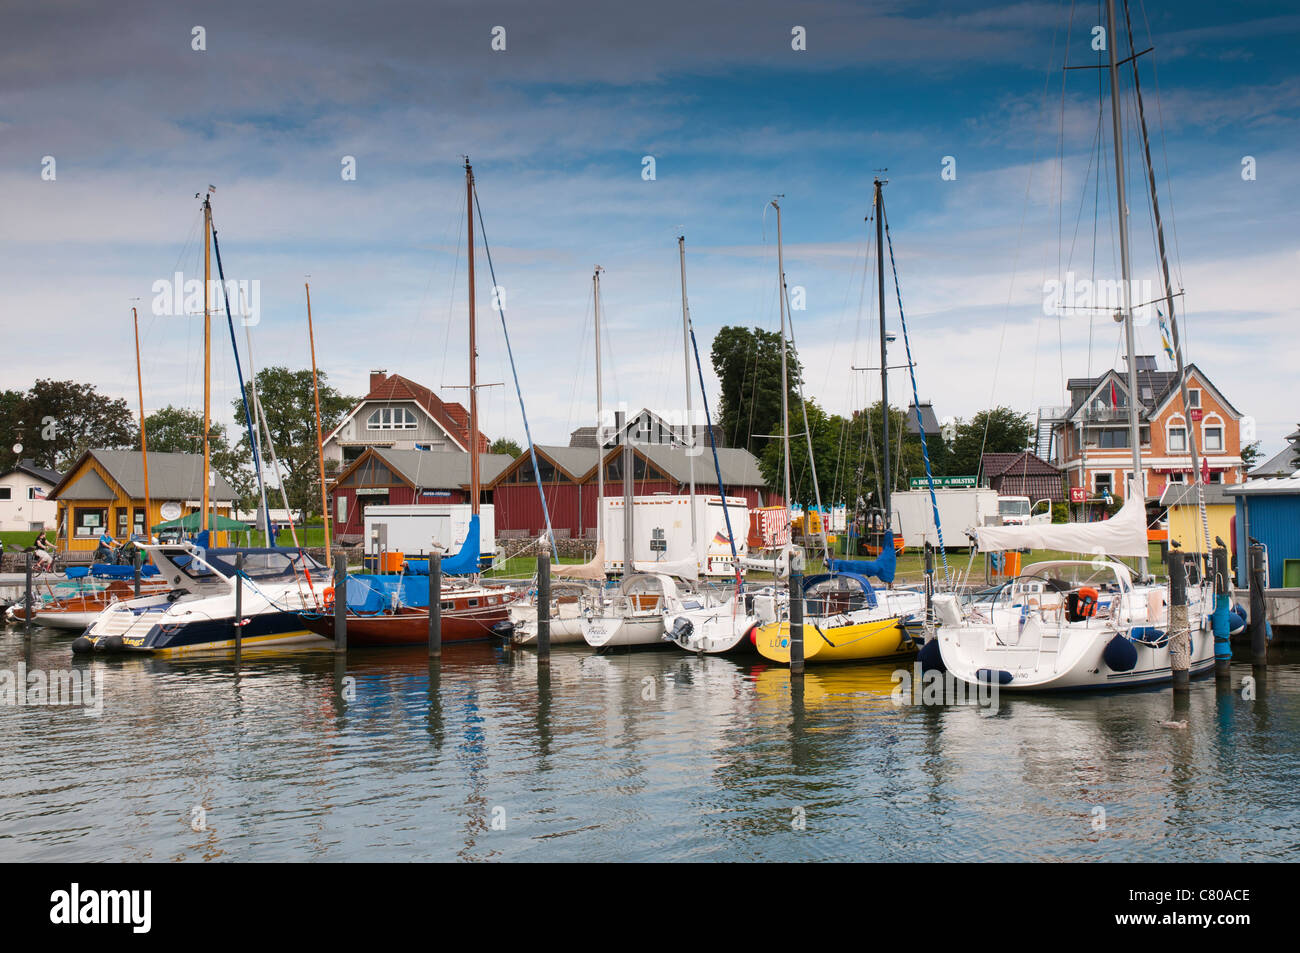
193, 522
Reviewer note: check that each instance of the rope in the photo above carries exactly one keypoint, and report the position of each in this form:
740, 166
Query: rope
916, 400
717, 468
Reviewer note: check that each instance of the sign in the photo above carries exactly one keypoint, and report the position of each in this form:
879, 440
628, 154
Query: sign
1197, 413
170, 511
371, 491
921, 483
435, 492
1078, 494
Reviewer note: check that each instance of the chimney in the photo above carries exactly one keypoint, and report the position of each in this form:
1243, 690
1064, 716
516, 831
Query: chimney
377, 378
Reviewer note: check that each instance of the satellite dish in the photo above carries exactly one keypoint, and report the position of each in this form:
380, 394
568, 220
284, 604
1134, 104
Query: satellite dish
170, 511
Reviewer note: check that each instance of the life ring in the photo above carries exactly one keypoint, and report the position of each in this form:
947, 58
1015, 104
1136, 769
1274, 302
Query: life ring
329, 598
1087, 605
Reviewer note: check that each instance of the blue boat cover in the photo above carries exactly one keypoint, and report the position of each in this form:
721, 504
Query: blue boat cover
882, 567
369, 593
861, 580
464, 563
109, 571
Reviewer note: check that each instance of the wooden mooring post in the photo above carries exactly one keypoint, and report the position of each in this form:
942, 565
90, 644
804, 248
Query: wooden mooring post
28, 606
340, 601
1258, 624
435, 605
239, 606
796, 622
136, 570
1220, 622
1180, 655
544, 608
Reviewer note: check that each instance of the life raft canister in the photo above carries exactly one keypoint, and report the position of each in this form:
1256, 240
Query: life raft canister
1087, 605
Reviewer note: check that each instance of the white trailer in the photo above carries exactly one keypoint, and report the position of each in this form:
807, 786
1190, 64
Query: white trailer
662, 530
416, 529
959, 510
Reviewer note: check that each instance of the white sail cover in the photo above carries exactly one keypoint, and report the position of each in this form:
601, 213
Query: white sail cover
1124, 534
688, 569
593, 570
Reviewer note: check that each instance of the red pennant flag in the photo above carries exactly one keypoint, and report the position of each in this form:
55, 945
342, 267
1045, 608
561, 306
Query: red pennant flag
1114, 398
1205, 469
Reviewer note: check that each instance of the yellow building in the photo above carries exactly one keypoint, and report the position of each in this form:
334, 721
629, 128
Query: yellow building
105, 489
1185, 528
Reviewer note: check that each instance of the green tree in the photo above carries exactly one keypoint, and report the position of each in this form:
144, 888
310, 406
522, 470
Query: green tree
56, 421
177, 430
1000, 430
505, 445
285, 397
748, 365
1250, 454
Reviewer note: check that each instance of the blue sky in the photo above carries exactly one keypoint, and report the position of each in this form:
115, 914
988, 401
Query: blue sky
557, 126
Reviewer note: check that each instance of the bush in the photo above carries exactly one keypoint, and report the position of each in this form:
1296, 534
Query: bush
1060, 512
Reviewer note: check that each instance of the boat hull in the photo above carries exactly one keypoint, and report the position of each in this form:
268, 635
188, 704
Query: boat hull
411, 627
614, 631
714, 631
874, 640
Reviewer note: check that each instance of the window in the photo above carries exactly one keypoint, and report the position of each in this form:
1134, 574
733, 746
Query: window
391, 418
1144, 434
1193, 397
1216, 476
35, 493
88, 522
1177, 439
1178, 477
341, 504
1214, 439
137, 519
1102, 482
1146, 393
123, 519
1112, 438
6, 492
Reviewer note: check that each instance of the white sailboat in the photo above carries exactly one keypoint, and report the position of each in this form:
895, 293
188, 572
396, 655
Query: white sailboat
1083, 624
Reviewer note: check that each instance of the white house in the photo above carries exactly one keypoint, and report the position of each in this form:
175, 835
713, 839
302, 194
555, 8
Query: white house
23, 497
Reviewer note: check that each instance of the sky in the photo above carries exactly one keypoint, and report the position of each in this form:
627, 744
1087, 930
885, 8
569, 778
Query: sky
1000, 179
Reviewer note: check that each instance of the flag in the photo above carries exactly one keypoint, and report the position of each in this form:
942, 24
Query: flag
1205, 469
1114, 397
1164, 335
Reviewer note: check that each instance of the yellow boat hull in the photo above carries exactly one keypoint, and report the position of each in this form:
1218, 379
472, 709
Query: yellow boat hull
876, 640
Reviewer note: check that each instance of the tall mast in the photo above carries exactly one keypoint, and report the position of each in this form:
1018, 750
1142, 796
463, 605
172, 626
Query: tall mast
144, 444
884, 347
204, 521
473, 353
600, 416
785, 386
1126, 313
690, 420
320, 451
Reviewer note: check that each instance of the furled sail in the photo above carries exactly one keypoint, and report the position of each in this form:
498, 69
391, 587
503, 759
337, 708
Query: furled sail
883, 567
1124, 534
593, 570
465, 562
688, 569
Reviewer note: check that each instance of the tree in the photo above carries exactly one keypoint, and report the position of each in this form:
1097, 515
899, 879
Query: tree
748, 365
56, 421
286, 400
177, 430
505, 445
1000, 430
1250, 454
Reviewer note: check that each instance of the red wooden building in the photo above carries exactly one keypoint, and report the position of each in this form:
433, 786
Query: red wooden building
380, 477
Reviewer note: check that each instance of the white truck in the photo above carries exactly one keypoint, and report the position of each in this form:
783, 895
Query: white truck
662, 530
959, 510
417, 529
1016, 511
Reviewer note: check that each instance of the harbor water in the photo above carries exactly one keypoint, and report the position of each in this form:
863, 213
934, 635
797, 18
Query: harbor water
648, 756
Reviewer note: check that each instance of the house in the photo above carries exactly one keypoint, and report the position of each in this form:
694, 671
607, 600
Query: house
1268, 510
1185, 528
24, 497
382, 476
517, 506
1283, 463
398, 414
1089, 439
1023, 474
105, 488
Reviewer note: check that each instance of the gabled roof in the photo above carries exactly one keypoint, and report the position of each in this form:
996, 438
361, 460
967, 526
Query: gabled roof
573, 462
739, 467
1286, 484
172, 476
928, 419
585, 437
453, 418
430, 469
1280, 464
1026, 462
1164, 387
1184, 494
28, 465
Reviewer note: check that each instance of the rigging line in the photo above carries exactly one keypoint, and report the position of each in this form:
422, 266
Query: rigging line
920, 425
1060, 218
451, 300
532, 450
812, 464
717, 467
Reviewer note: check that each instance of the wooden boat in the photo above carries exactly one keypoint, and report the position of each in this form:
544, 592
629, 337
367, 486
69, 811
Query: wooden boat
77, 603
468, 615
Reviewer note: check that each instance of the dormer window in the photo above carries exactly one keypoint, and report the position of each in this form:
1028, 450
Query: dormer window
391, 418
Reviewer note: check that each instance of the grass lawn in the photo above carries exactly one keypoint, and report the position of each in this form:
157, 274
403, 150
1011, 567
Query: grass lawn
20, 538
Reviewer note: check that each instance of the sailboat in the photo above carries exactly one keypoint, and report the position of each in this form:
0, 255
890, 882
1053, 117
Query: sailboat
846, 618
394, 610
1076, 624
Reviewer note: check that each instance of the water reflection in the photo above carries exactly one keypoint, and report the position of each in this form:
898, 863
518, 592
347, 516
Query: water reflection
484, 754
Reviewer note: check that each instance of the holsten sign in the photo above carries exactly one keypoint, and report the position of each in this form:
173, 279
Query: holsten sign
944, 482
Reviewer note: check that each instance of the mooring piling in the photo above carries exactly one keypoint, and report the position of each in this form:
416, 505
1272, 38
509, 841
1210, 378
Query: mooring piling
796, 622
544, 608
28, 606
435, 605
1219, 621
1180, 656
340, 601
136, 570
929, 591
1258, 612
239, 606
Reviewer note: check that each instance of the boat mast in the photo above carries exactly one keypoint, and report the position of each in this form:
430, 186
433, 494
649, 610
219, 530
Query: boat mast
473, 354
1126, 312
207, 358
600, 416
144, 444
690, 420
884, 363
320, 452
785, 387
